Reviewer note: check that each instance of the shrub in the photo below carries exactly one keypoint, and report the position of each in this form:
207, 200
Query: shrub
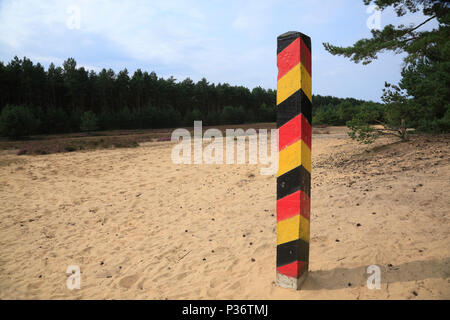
107, 121
326, 115
232, 115
88, 121
54, 120
190, 117
436, 125
213, 118
147, 116
267, 114
74, 121
125, 118
70, 148
17, 121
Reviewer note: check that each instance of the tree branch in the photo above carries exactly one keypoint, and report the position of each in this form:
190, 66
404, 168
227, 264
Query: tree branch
421, 24
409, 39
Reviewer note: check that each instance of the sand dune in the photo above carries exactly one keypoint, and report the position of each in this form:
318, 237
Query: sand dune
141, 227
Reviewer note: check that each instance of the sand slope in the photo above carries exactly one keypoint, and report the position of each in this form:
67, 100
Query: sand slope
141, 227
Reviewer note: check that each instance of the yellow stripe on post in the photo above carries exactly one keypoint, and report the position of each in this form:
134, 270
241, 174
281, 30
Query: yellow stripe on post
305, 79
293, 156
297, 78
289, 230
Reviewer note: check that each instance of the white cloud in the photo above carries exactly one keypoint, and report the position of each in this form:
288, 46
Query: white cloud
145, 30
253, 17
223, 40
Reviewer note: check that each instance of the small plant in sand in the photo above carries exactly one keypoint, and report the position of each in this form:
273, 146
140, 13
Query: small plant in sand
398, 109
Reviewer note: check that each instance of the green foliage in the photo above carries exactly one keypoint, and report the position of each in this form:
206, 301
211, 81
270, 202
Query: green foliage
107, 120
326, 115
88, 121
120, 100
397, 110
147, 117
399, 38
361, 131
126, 118
345, 111
168, 117
194, 115
371, 113
141, 100
421, 99
73, 121
436, 125
17, 121
228, 115
233, 115
266, 113
54, 121
213, 118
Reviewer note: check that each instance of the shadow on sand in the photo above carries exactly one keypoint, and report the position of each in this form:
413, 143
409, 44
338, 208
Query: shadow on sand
410, 271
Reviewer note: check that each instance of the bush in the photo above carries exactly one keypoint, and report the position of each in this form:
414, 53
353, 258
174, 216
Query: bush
88, 121
361, 131
125, 118
267, 114
167, 117
346, 111
369, 113
232, 115
70, 148
436, 125
213, 118
327, 115
54, 120
17, 121
147, 116
190, 117
107, 121
74, 121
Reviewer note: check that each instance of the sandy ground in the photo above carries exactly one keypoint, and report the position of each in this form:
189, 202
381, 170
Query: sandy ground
141, 227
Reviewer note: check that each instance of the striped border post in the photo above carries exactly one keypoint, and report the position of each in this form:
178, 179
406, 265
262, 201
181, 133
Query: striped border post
294, 153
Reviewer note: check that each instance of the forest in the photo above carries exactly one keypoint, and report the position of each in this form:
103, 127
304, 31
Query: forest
68, 98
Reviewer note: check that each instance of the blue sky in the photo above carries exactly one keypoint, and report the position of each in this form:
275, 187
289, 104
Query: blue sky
223, 41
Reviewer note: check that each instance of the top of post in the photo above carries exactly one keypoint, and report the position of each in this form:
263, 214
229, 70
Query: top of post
286, 38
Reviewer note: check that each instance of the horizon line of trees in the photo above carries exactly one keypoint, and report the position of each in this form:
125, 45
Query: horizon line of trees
70, 99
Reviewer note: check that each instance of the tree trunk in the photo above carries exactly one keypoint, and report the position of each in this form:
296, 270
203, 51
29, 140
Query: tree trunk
403, 132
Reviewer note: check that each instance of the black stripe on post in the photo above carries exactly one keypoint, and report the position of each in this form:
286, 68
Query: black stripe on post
297, 250
297, 179
286, 39
297, 103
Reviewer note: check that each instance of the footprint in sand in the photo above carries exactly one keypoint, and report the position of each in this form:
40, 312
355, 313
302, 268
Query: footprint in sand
128, 281
181, 276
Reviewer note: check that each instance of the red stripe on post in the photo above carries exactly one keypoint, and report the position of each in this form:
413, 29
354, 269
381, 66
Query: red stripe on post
294, 130
292, 55
292, 205
288, 58
305, 57
293, 269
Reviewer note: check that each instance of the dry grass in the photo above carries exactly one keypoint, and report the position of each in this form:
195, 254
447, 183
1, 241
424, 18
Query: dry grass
48, 144
320, 131
60, 143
